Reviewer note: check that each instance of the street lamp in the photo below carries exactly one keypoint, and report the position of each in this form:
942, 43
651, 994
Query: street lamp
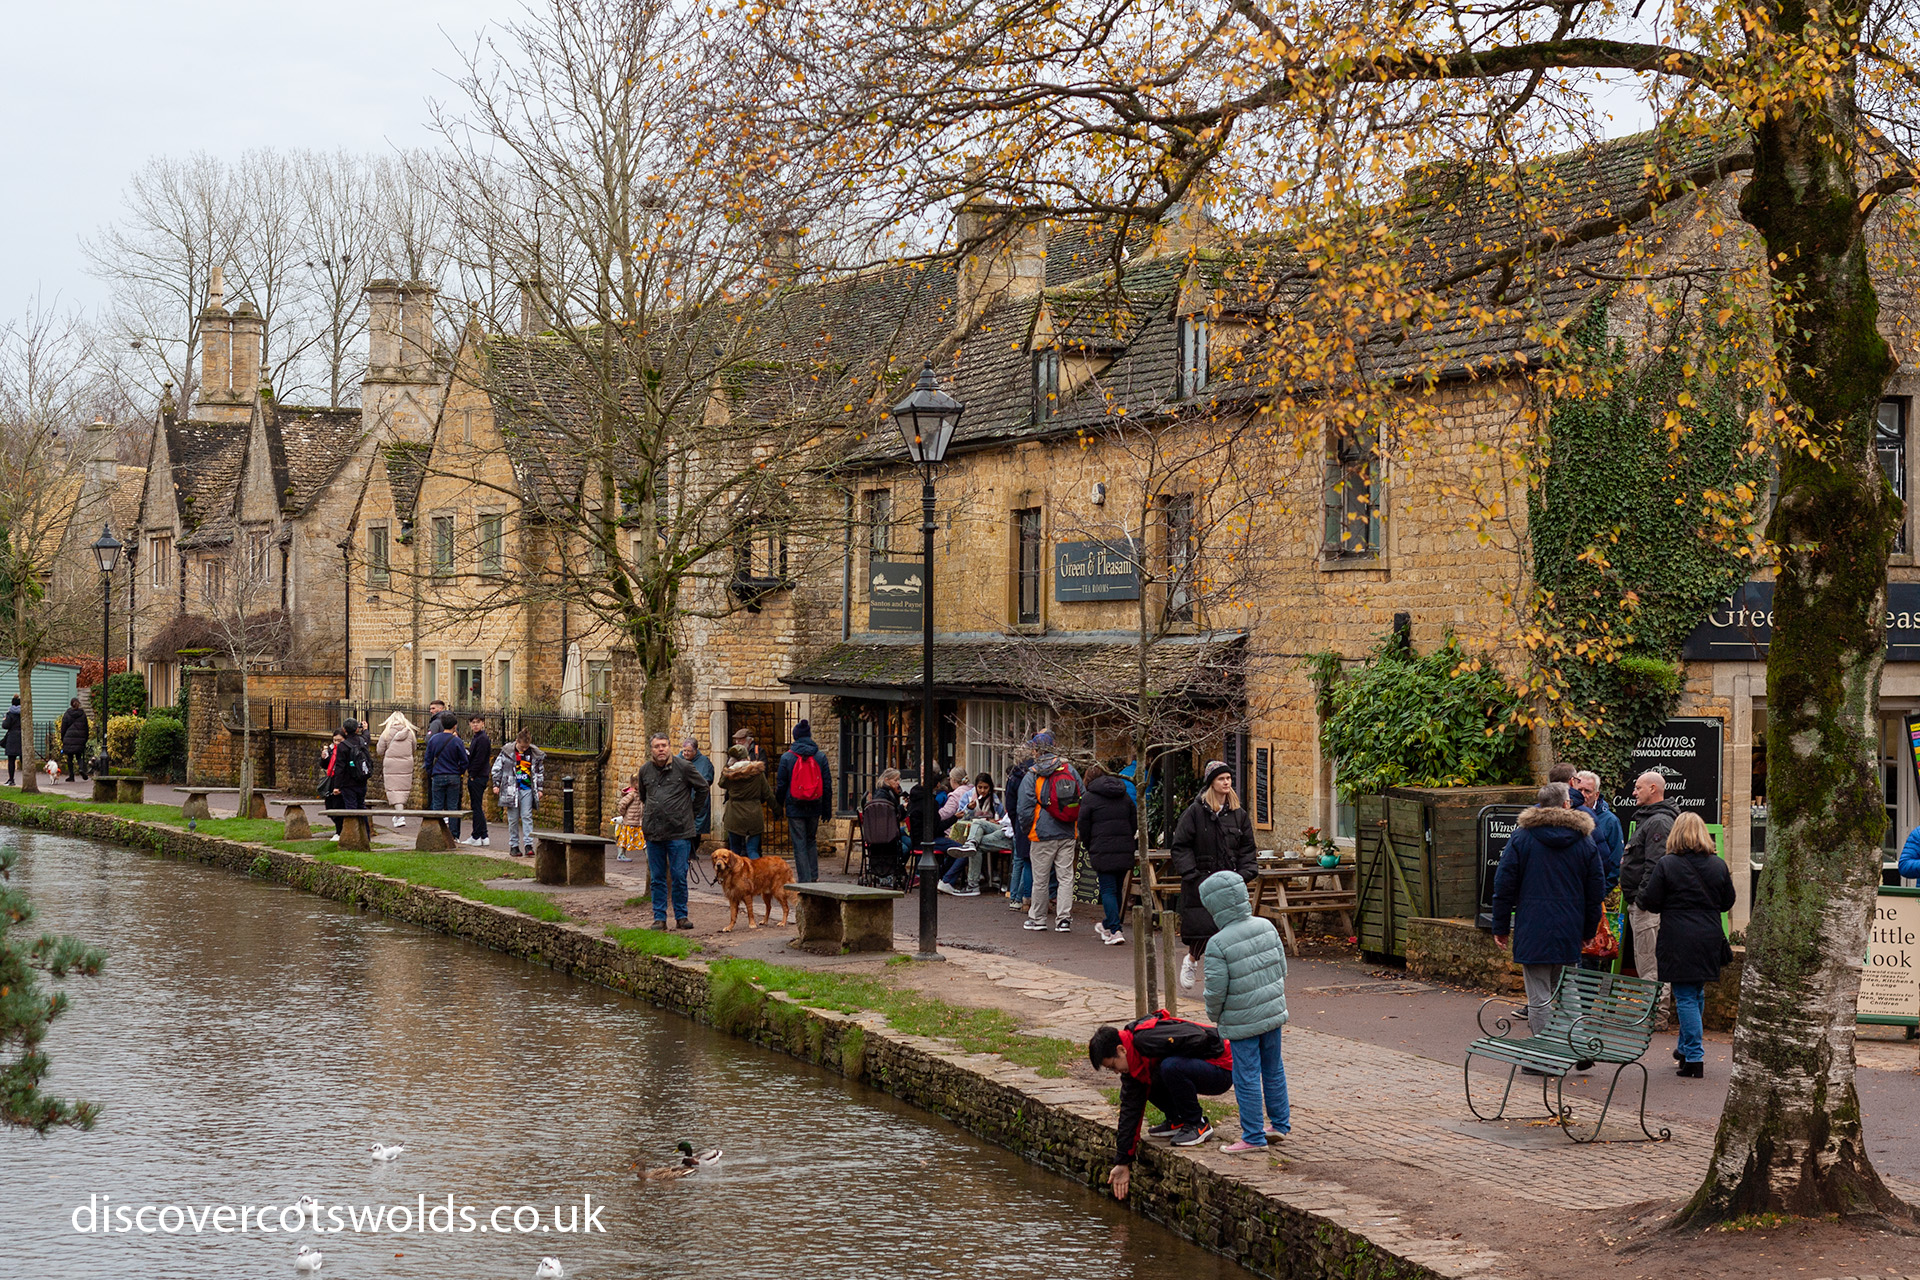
926, 419
106, 553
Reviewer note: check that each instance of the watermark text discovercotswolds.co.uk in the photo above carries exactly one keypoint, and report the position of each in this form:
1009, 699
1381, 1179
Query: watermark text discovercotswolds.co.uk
100, 1216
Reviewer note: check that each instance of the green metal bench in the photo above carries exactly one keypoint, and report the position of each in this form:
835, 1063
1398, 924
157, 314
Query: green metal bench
1594, 1018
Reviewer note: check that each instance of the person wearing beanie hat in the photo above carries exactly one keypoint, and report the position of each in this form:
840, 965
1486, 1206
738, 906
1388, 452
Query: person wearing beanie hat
1047, 809
1214, 834
803, 786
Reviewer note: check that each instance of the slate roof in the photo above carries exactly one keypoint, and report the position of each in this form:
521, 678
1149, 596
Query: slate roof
207, 459
310, 447
406, 469
1062, 671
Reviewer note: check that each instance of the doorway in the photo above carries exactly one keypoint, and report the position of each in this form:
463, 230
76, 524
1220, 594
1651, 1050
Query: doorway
767, 722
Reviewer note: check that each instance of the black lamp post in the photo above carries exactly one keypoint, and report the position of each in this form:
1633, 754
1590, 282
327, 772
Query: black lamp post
926, 419
106, 553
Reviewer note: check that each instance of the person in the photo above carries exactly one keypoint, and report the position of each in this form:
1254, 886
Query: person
73, 739
1246, 994
883, 829
743, 737
519, 777
1128, 774
1109, 827
1608, 840
11, 729
745, 793
1909, 855
702, 810
446, 772
435, 710
1653, 819
1546, 894
962, 878
333, 771
1688, 889
352, 768
630, 836
990, 831
1169, 1062
1213, 834
671, 792
803, 786
479, 769
1020, 886
398, 738
1049, 805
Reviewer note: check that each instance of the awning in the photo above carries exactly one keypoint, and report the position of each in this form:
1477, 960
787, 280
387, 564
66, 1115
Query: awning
1043, 669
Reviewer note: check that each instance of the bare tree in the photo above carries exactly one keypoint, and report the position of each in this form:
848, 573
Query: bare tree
246, 625
340, 196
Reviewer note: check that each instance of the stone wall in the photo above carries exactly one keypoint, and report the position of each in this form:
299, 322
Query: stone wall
216, 742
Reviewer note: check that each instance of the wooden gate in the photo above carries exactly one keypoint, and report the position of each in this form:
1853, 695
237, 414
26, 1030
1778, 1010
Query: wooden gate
1390, 848
767, 722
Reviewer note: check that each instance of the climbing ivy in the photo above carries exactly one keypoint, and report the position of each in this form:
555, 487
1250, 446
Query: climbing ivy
1641, 520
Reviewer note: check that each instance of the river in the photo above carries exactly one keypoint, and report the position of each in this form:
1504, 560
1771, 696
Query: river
248, 1042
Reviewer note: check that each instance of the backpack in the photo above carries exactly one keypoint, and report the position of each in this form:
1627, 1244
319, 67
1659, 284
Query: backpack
357, 767
1162, 1035
1059, 794
805, 782
879, 821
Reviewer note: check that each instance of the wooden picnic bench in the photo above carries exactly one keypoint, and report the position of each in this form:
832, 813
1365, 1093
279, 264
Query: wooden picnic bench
195, 805
1593, 1017
837, 918
1282, 892
569, 858
355, 829
119, 788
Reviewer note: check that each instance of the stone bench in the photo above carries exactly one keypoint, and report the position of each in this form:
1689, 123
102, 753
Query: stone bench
295, 813
195, 805
355, 829
837, 918
434, 835
119, 788
569, 858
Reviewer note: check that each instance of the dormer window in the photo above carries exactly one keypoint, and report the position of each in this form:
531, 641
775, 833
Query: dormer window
1193, 356
1046, 384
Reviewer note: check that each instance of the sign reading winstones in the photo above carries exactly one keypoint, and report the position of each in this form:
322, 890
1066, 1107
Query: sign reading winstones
895, 589
1890, 983
1095, 571
1496, 823
1685, 752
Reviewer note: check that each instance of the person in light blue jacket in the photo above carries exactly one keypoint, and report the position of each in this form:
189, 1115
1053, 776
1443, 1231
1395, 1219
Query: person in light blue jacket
1910, 856
1247, 999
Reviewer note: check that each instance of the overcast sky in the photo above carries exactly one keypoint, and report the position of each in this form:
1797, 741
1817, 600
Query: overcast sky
92, 88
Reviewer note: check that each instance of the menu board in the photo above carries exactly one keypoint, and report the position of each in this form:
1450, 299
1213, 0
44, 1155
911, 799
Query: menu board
1890, 983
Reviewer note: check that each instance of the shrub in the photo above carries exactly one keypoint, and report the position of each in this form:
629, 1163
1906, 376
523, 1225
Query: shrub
126, 694
163, 741
123, 735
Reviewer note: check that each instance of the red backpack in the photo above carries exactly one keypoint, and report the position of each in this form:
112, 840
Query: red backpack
805, 783
1059, 794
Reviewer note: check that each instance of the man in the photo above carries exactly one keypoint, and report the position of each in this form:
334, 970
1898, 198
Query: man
1652, 819
74, 728
670, 790
1546, 894
11, 730
702, 810
743, 737
435, 710
479, 769
804, 787
446, 772
1607, 837
1048, 810
519, 776
1170, 1063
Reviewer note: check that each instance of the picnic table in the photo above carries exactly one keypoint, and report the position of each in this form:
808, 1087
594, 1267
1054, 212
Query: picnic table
1282, 891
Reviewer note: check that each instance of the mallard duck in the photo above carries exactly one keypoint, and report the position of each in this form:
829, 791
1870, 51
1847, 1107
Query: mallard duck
689, 1158
669, 1172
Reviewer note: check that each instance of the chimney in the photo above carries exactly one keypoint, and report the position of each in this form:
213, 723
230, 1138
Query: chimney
783, 252
383, 330
416, 330
1187, 226
103, 462
533, 308
249, 333
216, 345
1013, 264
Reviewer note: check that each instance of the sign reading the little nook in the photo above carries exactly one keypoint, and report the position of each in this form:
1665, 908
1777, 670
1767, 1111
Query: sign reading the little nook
1095, 571
1890, 983
894, 589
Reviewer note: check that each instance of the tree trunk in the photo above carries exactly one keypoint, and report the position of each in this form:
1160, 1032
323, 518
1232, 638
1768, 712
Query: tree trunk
1790, 1138
30, 781
246, 746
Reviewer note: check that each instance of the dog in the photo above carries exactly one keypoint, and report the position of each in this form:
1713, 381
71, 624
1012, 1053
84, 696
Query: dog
745, 879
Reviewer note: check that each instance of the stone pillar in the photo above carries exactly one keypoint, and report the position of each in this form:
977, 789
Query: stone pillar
249, 334
383, 329
416, 329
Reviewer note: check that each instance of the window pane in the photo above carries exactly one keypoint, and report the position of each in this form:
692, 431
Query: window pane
378, 565
431, 679
466, 684
879, 521
1028, 567
493, 545
1890, 444
1179, 557
379, 680
443, 544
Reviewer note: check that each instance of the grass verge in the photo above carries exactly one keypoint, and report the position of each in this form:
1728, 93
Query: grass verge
654, 942
461, 873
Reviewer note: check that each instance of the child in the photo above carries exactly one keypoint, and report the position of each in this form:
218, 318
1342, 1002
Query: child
1247, 998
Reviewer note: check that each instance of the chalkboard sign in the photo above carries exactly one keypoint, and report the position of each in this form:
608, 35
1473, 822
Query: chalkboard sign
1687, 753
895, 589
1496, 823
1890, 981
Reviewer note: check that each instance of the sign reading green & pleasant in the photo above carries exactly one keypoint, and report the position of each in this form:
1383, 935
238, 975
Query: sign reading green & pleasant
1095, 571
895, 589
1890, 983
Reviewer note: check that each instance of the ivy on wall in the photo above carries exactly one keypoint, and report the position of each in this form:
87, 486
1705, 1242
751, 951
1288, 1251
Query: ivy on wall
1641, 521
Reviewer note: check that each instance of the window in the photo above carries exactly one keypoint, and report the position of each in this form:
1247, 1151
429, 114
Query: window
879, 522
257, 554
443, 544
430, 679
859, 757
995, 733
1352, 499
503, 682
493, 544
1027, 568
599, 680
1046, 384
1193, 356
466, 426
1179, 556
213, 579
1890, 443
379, 556
759, 558
160, 549
466, 685
379, 680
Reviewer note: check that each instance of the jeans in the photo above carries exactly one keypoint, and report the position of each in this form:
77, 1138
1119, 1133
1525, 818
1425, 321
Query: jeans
748, 845
1020, 882
477, 798
1542, 980
1689, 1001
1110, 883
806, 848
1258, 1076
517, 804
1049, 857
958, 863
446, 798
1178, 1083
667, 867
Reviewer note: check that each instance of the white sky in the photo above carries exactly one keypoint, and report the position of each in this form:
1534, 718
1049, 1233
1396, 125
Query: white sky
89, 89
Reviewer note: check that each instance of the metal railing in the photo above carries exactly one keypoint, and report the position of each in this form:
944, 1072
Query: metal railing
589, 732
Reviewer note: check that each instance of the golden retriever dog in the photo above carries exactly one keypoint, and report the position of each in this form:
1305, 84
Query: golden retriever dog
745, 879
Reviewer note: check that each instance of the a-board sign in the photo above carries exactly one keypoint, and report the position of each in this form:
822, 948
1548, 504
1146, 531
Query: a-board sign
1494, 825
1687, 753
1890, 983
895, 589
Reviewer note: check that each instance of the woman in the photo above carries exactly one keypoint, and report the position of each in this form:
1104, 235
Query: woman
1109, 826
1689, 887
333, 775
631, 838
745, 792
397, 740
963, 874
1214, 834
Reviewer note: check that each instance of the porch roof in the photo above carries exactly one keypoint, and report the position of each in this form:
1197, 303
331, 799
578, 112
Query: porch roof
1058, 671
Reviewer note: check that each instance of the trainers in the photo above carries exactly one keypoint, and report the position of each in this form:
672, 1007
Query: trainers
1037, 926
1240, 1146
1016, 904
948, 889
1274, 1135
1192, 1135
622, 858
1116, 939
1166, 1130
1063, 925
1186, 972
971, 891
1100, 930
334, 836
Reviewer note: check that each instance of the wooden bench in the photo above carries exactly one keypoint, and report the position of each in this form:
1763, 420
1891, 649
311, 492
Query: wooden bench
355, 829
195, 805
1593, 1017
119, 788
837, 918
569, 858
434, 836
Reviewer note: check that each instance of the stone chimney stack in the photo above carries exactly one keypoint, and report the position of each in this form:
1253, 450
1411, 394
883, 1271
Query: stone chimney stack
216, 344
402, 393
249, 336
533, 308
103, 461
416, 330
383, 330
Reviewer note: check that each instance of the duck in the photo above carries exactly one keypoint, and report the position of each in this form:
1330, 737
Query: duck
667, 1173
381, 1151
308, 1259
691, 1159
549, 1269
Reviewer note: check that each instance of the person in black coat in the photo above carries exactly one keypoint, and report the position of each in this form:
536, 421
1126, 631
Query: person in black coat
1214, 834
12, 731
73, 739
1108, 827
1688, 888
1547, 893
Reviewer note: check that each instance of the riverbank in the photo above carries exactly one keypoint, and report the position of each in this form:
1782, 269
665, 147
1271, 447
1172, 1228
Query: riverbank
1380, 1178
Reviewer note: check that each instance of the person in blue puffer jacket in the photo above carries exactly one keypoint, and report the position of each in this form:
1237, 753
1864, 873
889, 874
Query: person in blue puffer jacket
1910, 856
1247, 999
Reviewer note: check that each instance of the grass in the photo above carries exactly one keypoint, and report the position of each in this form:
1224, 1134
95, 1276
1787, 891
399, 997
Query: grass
461, 873
654, 942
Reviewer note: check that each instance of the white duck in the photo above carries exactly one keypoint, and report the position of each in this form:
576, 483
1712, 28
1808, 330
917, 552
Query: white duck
549, 1269
306, 1260
381, 1151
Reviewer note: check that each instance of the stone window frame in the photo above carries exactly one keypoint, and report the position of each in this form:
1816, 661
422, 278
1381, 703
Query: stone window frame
1019, 572
1346, 454
379, 553
384, 663
490, 560
442, 568
160, 549
876, 537
1902, 475
1195, 360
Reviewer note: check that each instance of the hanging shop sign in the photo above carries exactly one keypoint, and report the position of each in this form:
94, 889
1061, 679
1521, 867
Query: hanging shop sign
895, 590
1095, 571
1740, 627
